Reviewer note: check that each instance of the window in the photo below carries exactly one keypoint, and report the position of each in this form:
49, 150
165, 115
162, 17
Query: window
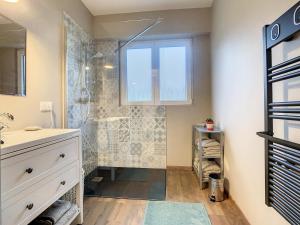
156, 72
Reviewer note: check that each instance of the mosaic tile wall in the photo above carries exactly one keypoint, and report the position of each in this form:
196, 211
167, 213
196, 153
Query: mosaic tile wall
128, 136
81, 83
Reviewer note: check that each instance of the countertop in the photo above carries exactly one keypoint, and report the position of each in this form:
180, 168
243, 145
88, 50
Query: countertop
18, 140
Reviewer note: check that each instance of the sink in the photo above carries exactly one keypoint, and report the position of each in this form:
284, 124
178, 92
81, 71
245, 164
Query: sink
14, 140
7, 137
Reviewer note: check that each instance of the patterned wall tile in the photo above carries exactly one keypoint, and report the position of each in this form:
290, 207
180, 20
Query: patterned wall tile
148, 135
161, 111
136, 111
136, 123
149, 123
136, 149
160, 123
124, 124
113, 123
159, 136
136, 135
124, 135
159, 149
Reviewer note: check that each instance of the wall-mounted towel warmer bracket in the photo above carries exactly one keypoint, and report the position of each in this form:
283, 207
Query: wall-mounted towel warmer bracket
282, 157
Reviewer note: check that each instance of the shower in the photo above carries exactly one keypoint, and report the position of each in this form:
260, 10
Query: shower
109, 139
85, 97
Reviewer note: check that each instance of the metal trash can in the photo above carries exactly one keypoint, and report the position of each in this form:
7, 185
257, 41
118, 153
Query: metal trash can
216, 187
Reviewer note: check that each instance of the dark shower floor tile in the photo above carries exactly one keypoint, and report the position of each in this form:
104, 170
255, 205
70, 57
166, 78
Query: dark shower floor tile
131, 183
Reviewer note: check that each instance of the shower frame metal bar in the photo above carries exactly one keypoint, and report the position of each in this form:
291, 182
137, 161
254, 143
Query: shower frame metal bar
136, 36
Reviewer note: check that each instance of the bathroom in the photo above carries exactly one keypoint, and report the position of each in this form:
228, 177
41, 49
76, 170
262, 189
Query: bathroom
109, 99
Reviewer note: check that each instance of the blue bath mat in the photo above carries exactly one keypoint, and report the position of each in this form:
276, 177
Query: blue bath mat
175, 213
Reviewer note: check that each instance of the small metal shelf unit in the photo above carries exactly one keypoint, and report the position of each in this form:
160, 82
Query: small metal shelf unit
282, 157
199, 132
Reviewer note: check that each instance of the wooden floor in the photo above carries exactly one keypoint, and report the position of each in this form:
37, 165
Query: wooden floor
182, 186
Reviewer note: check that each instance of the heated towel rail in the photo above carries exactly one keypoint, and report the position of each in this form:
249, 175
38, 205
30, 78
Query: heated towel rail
282, 157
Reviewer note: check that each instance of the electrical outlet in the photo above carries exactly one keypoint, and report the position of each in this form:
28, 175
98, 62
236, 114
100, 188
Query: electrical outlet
46, 106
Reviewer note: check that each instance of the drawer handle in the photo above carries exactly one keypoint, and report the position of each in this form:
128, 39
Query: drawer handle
29, 170
62, 155
63, 182
29, 206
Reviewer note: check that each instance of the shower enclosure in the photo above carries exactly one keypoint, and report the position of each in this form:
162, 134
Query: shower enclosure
114, 136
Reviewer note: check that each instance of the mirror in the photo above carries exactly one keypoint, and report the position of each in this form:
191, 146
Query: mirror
12, 58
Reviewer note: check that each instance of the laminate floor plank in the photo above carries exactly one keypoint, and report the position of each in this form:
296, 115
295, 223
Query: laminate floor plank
182, 186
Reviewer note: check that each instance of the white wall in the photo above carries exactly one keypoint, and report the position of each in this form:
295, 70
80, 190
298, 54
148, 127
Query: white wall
237, 68
43, 20
180, 119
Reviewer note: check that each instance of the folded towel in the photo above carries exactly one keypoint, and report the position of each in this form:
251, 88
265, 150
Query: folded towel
214, 151
209, 152
211, 155
210, 166
212, 148
68, 215
212, 170
207, 163
216, 169
209, 143
55, 211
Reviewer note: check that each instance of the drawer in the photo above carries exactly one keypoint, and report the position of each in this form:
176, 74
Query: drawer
21, 171
28, 204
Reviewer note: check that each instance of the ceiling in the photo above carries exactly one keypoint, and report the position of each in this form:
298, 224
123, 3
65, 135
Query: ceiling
105, 7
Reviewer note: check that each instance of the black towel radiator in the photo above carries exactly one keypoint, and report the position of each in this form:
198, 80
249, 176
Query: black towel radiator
282, 157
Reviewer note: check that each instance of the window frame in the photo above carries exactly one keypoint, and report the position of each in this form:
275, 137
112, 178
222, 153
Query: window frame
155, 45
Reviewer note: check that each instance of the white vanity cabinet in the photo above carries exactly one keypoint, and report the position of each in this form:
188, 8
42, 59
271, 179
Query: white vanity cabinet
37, 168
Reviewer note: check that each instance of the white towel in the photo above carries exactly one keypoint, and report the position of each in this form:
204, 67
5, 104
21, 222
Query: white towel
212, 148
68, 215
210, 166
212, 151
210, 143
214, 155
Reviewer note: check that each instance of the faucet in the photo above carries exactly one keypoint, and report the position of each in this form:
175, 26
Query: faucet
7, 115
3, 125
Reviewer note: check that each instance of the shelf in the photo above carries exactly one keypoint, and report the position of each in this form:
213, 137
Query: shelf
199, 132
211, 157
198, 151
204, 130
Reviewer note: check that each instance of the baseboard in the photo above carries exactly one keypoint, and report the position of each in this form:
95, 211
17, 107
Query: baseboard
187, 168
234, 202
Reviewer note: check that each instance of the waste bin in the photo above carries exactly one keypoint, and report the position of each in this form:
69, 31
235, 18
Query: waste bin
216, 187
